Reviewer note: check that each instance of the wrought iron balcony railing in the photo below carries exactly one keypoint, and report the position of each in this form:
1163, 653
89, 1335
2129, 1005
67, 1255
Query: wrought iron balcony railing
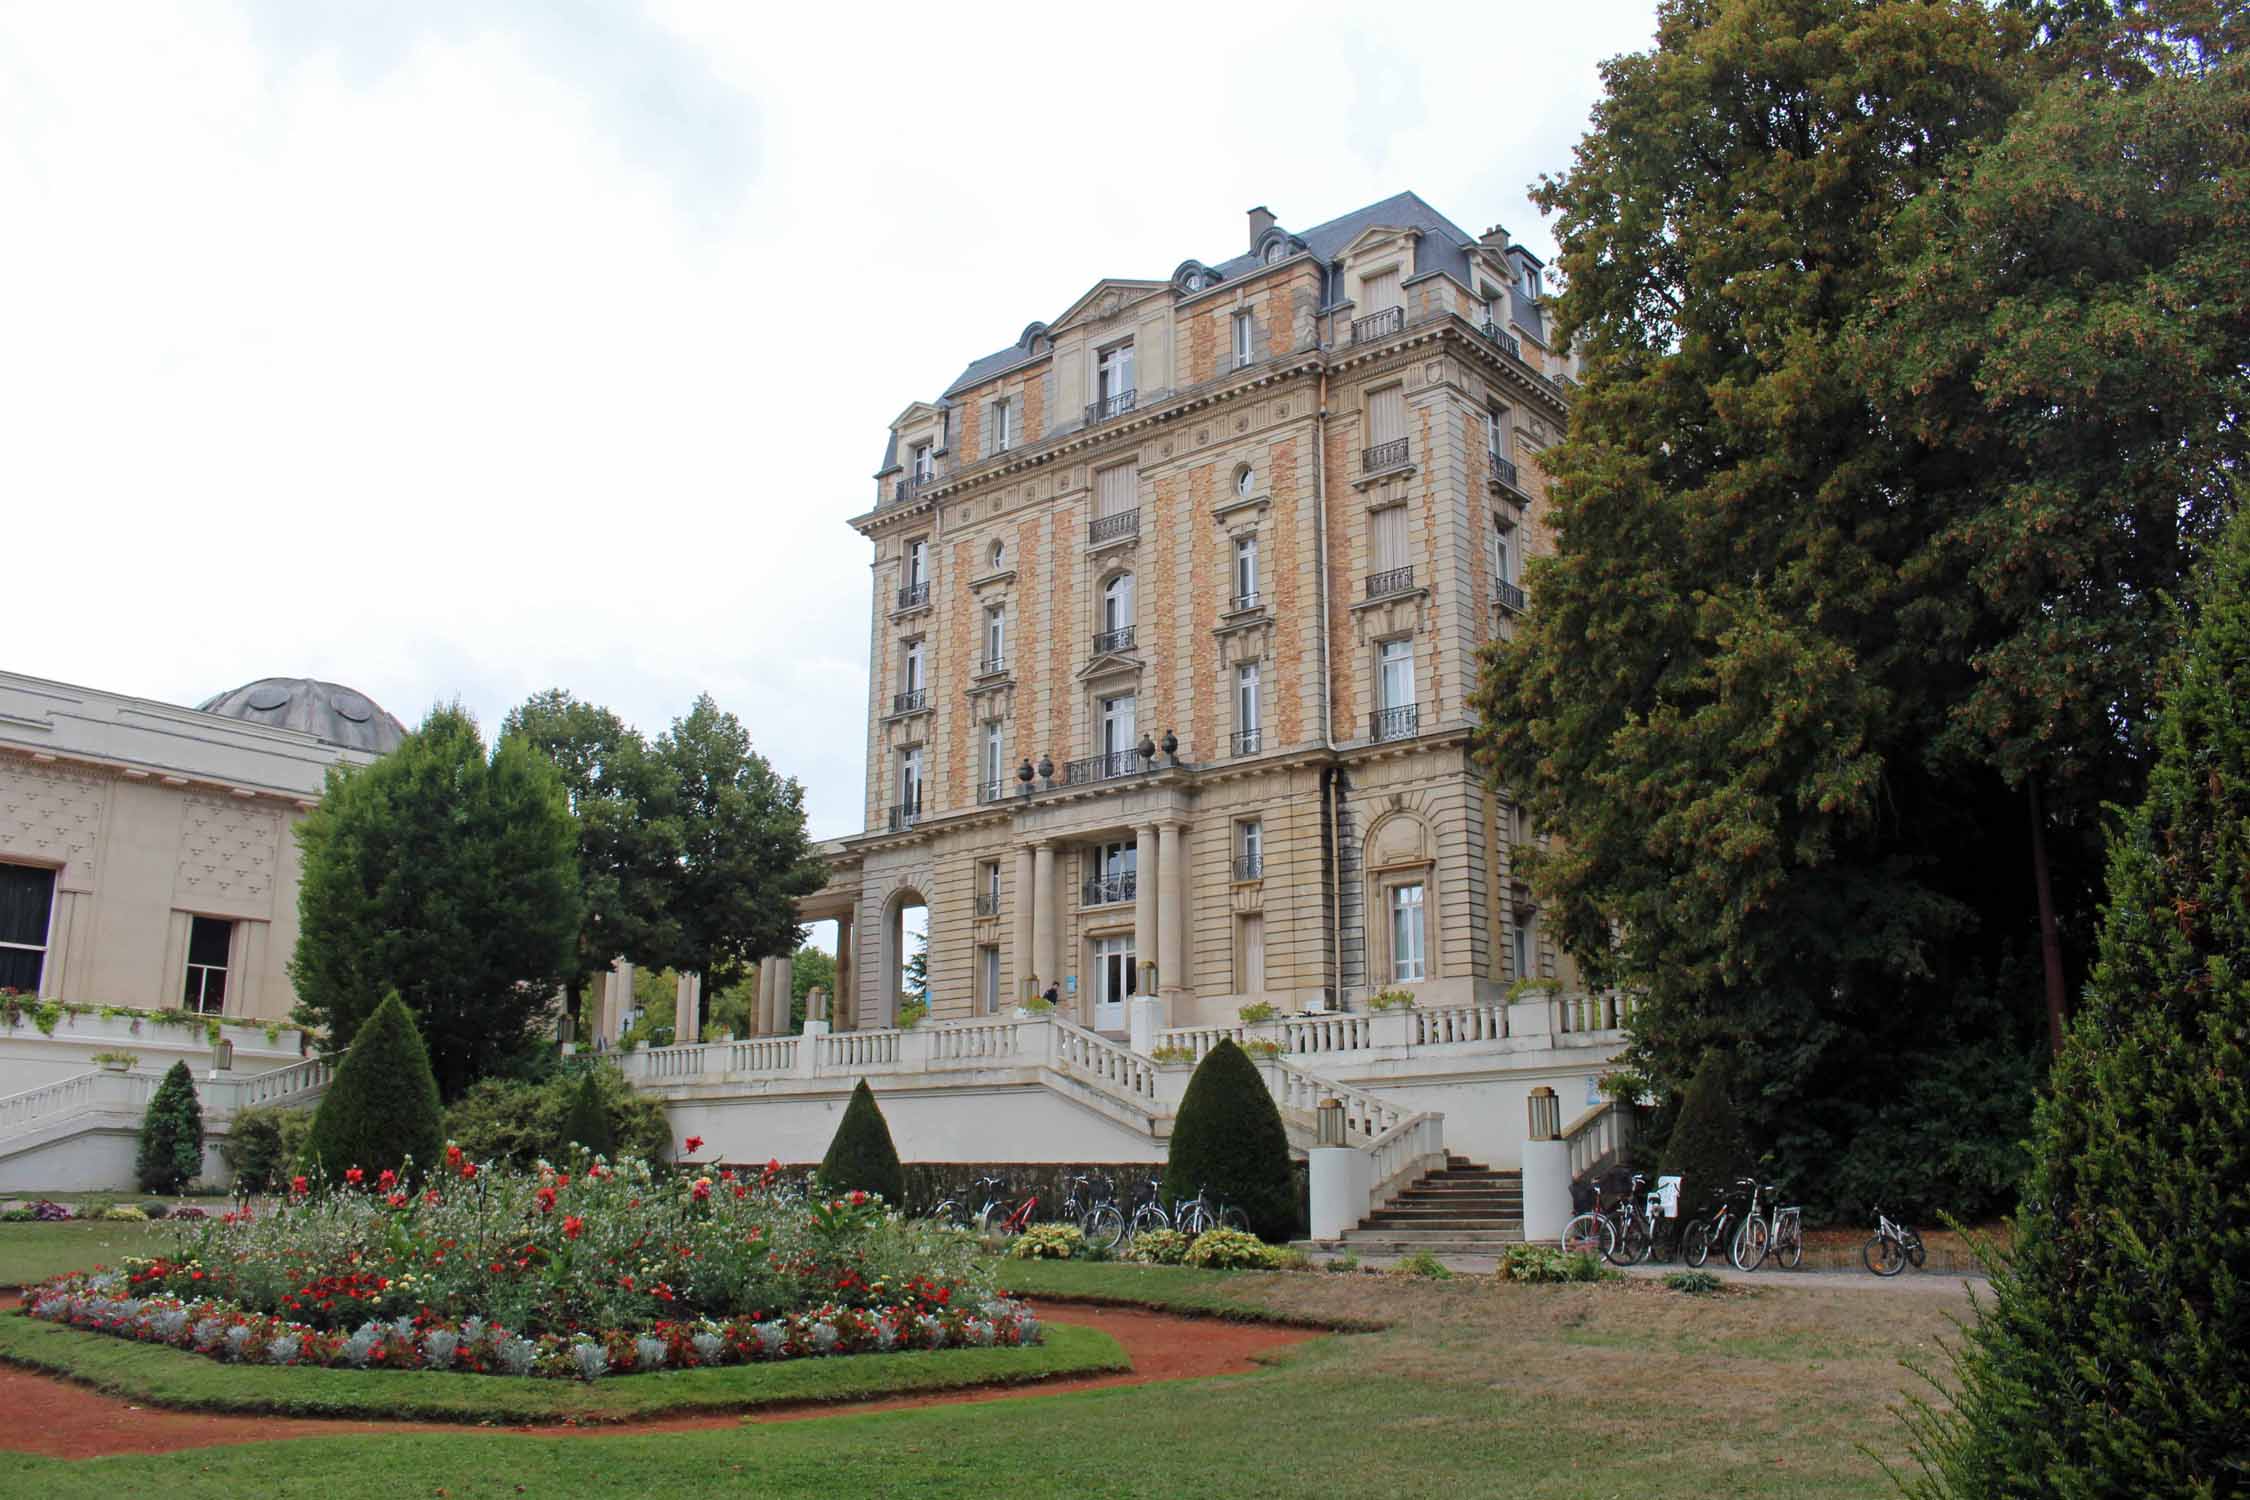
1103, 768
1249, 867
1110, 528
1502, 337
914, 596
1110, 407
1399, 723
993, 666
1504, 471
988, 904
1247, 741
906, 815
996, 791
1389, 581
910, 703
1510, 597
1108, 890
1383, 456
1113, 640
1244, 603
1379, 325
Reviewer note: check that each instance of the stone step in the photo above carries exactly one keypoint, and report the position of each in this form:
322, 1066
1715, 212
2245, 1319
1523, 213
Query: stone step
1425, 1212
1453, 1177
1391, 1242
1454, 1192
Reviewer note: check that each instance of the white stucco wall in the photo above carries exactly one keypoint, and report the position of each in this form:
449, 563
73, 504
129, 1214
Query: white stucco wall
1025, 1122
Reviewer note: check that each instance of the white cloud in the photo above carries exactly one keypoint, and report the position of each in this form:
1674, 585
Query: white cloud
468, 350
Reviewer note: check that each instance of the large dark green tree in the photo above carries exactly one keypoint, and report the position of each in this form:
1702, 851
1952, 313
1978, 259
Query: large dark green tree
1797, 667
171, 1144
2112, 1356
445, 876
629, 837
745, 855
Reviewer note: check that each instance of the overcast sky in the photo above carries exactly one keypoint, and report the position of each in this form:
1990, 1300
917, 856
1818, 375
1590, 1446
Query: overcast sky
468, 349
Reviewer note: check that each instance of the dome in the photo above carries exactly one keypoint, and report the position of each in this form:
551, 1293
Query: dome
326, 710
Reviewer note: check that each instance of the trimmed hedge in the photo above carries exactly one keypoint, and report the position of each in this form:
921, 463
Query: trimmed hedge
862, 1155
588, 1122
382, 1107
1228, 1141
171, 1154
1707, 1149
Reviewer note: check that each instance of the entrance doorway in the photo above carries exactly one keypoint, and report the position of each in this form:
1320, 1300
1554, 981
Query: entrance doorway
1116, 980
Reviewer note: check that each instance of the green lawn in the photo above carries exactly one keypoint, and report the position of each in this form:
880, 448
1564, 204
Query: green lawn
34, 1252
1473, 1389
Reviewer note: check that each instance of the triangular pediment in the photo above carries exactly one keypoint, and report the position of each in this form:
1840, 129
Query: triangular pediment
1108, 297
1110, 663
1379, 234
916, 413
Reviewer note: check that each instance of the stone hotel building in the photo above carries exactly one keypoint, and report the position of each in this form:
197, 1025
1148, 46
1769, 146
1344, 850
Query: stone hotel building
1176, 612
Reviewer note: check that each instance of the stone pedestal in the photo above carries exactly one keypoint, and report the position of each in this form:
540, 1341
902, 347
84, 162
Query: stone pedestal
1339, 1189
1145, 1018
687, 1011
808, 1050
1546, 1190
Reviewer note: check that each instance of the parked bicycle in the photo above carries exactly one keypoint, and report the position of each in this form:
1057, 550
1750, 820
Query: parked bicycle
1703, 1235
1593, 1232
1096, 1212
1893, 1247
1781, 1235
1150, 1213
1203, 1212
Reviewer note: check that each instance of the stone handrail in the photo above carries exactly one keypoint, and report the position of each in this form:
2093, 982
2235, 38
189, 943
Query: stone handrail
1458, 1023
104, 1089
1354, 1031
63, 1096
281, 1083
1119, 1069
1339, 1031
859, 1050
979, 1041
1405, 1150
1582, 1011
1366, 1115
1596, 1139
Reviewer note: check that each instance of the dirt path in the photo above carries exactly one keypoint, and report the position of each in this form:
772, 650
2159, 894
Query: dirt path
55, 1418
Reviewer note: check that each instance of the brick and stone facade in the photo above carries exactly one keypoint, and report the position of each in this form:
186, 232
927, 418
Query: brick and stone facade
1266, 545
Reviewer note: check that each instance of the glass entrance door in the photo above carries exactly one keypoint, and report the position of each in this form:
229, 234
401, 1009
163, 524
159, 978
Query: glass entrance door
1115, 982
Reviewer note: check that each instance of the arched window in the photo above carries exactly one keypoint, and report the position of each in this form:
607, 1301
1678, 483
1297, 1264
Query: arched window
1117, 603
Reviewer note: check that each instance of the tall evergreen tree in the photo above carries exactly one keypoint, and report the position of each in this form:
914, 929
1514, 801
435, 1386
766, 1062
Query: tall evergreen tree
1228, 1141
861, 1155
381, 1108
171, 1147
1707, 1149
2113, 1355
625, 800
448, 878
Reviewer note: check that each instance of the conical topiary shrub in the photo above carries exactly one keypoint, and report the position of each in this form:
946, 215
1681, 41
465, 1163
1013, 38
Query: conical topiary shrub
2113, 1354
1228, 1142
862, 1156
588, 1123
1708, 1149
382, 1107
171, 1154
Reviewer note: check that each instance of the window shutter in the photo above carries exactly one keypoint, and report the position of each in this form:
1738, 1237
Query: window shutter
1386, 416
1390, 538
1118, 490
1379, 292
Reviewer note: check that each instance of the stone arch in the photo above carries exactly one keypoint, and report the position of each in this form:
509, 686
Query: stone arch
905, 896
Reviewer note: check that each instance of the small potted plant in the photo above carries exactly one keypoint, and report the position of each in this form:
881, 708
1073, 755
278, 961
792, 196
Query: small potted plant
116, 1062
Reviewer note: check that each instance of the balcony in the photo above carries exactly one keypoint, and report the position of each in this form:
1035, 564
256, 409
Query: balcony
1096, 768
1110, 528
1247, 741
1502, 337
905, 489
1242, 604
1390, 581
1250, 867
910, 702
1379, 325
993, 666
906, 815
1509, 596
1108, 890
1504, 471
1400, 723
1383, 456
1110, 642
988, 904
1109, 408
996, 791
914, 595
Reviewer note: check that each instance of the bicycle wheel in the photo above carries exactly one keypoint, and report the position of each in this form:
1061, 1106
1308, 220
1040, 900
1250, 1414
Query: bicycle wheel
1695, 1242
946, 1211
997, 1222
1103, 1226
1750, 1245
1231, 1217
1915, 1254
1195, 1218
1883, 1255
1589, 1234
1632, 1241
1148, 1217
1789, 1248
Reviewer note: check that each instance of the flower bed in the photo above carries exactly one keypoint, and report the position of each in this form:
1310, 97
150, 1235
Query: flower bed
600, 1269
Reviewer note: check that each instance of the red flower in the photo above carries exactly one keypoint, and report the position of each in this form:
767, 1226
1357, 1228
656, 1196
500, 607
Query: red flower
858, 1197
701, 1192
546, 1197
353, 1175
452, 1155
694, 1144
468, 1171
572, 1226
297, 1186
432, 1196
397, 1200
388, 1180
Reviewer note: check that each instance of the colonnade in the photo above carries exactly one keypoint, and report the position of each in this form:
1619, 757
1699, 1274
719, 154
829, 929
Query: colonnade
1160, 892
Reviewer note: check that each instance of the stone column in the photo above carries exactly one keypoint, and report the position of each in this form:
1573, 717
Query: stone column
687, 1007
1171, 921
843, 1009
1145, 1016
1027, 884
1046, 936
785, 976
761, 1008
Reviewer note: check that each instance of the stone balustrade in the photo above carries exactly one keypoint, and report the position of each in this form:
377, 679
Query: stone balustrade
1592, 1019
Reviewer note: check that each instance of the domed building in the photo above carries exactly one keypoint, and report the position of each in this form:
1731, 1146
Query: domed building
147, 856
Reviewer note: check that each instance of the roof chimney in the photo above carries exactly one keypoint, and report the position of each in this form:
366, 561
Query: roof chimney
1261, 220
1495, 238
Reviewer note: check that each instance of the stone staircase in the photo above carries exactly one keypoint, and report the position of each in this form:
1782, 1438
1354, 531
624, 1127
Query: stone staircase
1464, 1208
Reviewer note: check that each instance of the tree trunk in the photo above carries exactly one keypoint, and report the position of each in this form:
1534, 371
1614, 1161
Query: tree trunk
2050, 942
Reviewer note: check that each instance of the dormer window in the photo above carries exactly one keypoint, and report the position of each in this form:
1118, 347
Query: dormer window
925, 463
1275, 252
1531, 282
1195, 282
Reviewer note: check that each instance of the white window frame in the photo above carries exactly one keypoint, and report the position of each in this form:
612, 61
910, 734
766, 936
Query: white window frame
1003, 425
1118, 723
46, 944
910, 672
1244, 334
1394, 662
196, 986
1501, 550
1247, 718
1523, 950
917, 561
1496, 431
1117, 603
996, 637
1245, 570
1113, 371
1409, 931
925, 462
910, 778
988, 976
1250, 839
995, 757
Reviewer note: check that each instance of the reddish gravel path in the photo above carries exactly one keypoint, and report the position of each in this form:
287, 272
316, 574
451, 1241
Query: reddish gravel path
57, 1419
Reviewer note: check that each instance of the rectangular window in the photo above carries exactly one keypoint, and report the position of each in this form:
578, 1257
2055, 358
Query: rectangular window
1503, 552
910, 779
910, 679
1250, 847
925, 462
1117, 603
1246, 701
209, 938
1241, 339
995, 638
1253, 952
1496, 431
1003, 434
1379, 293
1117, 490
1117, 727
1396, 680
1406, 932
1386, 416
1245, 572
995, 762
27, 905
1390, 538
917, 561
1113, 375
1520, 950
1495, 309
988, 977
